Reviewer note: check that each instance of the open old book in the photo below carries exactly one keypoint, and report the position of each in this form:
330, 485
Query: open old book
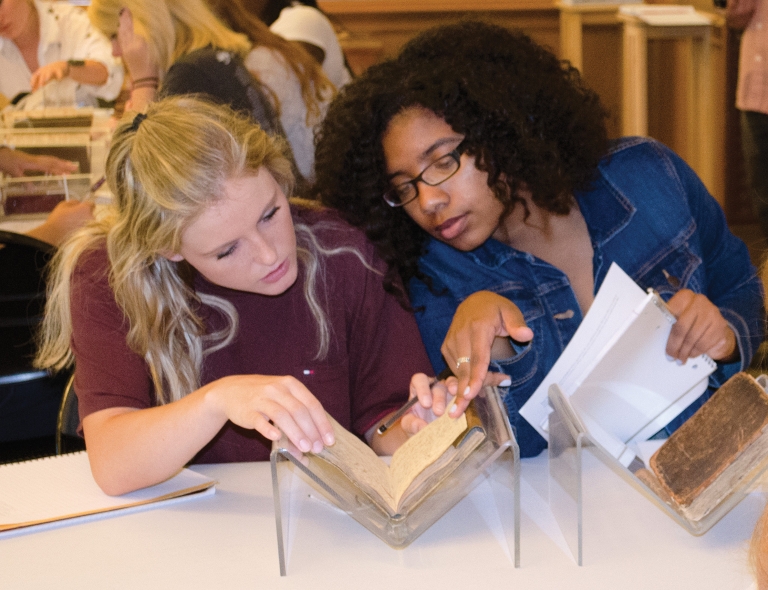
615, 373
416, 468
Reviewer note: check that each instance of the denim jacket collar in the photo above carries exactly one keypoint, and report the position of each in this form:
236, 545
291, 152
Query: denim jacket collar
606, 213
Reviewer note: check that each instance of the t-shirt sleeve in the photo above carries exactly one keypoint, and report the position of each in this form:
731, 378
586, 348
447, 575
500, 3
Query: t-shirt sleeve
108, 373
385, 348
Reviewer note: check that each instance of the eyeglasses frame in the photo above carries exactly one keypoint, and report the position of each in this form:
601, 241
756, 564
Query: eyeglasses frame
456, 154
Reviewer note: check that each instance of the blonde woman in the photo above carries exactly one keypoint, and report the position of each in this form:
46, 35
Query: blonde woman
172, 47
207, 313
298, 83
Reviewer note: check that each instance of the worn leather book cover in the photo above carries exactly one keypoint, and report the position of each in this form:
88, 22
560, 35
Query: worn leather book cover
704, 460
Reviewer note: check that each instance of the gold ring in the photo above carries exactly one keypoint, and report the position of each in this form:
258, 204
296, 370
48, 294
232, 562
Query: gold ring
461, 361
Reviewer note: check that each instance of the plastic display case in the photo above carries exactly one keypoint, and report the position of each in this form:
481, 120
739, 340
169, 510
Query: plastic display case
87, 147
32, 196
496, 458
81, 118
568, 440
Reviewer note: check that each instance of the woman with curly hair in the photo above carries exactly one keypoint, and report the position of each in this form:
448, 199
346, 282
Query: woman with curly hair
478, 164
207, 313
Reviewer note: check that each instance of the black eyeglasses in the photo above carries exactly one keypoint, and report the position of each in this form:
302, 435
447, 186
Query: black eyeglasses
436, 173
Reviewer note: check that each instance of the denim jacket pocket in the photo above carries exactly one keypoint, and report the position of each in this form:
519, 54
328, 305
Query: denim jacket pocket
676, 270
521, 368
522, 296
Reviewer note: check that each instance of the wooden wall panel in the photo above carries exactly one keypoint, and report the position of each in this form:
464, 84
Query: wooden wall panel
393, 22
373, 29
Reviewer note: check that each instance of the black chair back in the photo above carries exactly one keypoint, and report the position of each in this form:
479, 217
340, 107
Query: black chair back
29, 398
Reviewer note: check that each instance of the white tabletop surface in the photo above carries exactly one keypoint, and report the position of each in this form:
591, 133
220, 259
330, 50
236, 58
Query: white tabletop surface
20, 226
228, 541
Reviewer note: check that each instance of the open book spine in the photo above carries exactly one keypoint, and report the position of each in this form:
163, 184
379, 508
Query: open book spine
416, 469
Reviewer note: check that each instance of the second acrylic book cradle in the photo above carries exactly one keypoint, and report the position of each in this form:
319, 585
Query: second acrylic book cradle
569, 439
496, 458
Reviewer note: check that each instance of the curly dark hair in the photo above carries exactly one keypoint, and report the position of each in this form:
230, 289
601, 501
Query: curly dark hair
526, 117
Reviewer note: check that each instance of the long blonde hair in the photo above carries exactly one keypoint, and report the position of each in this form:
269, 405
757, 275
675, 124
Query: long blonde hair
172, 28
163, 170
315, 85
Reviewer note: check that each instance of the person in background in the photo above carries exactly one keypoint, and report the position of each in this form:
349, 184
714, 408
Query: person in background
298, 84
751, 16
479, 166
182, 47
758, 547
17, 163
44, 41
229, 314
758, 552
65, 218
304, 23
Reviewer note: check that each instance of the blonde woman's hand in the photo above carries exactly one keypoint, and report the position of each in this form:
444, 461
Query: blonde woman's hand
271, 405
65, 218
478, 333
700, 329
433, 399
134, 49
435, 396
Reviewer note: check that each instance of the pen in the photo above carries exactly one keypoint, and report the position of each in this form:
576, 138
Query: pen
95, 186
397, 415
444, 374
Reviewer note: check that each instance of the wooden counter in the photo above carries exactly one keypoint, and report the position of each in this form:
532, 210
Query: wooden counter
375, 29
389, 24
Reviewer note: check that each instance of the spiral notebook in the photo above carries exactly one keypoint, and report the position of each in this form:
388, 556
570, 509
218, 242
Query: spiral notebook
55, 489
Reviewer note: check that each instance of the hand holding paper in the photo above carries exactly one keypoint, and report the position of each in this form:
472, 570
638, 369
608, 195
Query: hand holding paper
615, 370
700, 328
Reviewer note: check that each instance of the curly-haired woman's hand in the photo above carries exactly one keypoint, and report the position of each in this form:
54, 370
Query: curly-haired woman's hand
700, 329
478, 333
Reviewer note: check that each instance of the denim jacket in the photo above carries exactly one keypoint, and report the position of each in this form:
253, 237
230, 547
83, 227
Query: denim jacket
648, 212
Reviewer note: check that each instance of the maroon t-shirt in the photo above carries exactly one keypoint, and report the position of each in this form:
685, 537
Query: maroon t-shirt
375, 344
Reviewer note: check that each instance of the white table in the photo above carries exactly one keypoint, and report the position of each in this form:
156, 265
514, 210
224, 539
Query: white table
20, 226
228, 541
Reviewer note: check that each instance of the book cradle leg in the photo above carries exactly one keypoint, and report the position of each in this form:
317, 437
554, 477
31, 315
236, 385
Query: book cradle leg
281, 486
565, 485
504, 478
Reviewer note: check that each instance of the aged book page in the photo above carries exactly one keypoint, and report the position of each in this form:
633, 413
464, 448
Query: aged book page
359, 462
423, 449
388, 483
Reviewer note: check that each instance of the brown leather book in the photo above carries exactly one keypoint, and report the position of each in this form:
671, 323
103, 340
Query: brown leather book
706, 458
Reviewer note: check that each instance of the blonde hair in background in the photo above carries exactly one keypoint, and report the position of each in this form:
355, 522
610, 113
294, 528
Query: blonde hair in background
172, 28
315, 85
758, 551
758, 547
163, 172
